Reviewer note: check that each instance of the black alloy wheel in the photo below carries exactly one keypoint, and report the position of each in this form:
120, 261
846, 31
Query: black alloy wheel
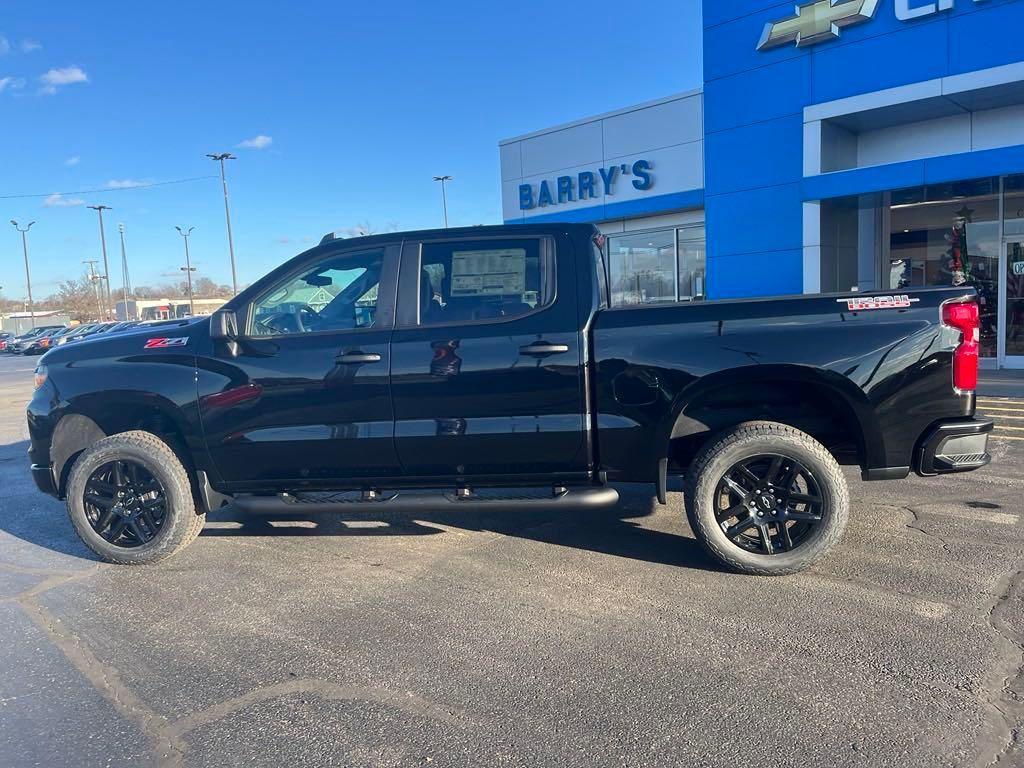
768, 504
124, 503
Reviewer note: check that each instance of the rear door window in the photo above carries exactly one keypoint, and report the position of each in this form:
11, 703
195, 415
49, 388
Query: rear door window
486, 280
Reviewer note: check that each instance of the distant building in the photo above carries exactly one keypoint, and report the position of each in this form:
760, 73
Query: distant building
165, 309
20, 322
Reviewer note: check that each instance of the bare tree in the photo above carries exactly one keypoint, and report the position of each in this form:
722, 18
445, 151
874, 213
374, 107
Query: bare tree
76, 297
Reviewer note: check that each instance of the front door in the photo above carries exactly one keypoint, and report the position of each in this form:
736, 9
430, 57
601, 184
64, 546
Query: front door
1012, 319
487, 360
305, 400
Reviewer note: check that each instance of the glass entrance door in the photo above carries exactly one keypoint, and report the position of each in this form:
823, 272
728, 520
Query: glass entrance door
1013, 314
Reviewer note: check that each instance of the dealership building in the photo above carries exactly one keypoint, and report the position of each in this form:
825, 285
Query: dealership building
842, 145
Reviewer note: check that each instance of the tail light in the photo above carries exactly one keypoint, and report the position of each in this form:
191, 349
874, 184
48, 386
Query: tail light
964, 317
44, 343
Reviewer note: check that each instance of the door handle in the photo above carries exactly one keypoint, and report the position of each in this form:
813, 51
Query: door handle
354, 358
542, 348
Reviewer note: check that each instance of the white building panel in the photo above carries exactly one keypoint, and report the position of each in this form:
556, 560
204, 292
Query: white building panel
660, 125
998, 127
569, 147
511, 161
930, 138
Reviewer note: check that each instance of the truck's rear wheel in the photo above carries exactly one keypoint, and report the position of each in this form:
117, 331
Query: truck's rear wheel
130, 499
766, 499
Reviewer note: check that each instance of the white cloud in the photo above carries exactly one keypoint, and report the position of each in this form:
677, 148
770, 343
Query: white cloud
59, 201
29, 46
54, 78
256, 142
11, 82
5, 46
126, 183
71, 161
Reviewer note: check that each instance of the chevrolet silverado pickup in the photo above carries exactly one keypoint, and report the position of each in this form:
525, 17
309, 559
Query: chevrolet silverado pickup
506, 366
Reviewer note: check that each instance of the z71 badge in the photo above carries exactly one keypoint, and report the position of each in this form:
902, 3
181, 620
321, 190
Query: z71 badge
179, 341
857, 303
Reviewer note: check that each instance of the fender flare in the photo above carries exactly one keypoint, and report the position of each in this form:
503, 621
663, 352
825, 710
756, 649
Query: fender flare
836, 387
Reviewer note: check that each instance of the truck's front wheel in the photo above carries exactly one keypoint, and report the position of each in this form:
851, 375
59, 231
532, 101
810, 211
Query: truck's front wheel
130, 499
766, 499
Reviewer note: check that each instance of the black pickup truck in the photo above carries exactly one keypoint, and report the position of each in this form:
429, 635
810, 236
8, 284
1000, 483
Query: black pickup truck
502, 366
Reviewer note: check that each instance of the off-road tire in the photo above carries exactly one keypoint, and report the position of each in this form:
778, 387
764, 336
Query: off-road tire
751, 439
181, 524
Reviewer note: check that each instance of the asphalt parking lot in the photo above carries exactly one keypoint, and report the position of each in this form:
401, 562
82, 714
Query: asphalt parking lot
526, 640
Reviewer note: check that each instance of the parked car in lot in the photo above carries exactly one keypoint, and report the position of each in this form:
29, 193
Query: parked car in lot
5, 337
41, 343
19, 344
487, 366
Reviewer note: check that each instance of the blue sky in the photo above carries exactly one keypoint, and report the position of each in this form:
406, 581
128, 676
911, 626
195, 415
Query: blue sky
360, 105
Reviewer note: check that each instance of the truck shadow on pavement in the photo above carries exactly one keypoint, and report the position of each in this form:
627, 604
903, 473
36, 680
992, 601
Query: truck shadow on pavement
613, 531
33, 518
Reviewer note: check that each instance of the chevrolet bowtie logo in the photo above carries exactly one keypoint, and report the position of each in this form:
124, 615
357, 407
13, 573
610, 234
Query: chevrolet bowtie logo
816, 22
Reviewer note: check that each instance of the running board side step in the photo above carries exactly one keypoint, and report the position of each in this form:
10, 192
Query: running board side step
421, 500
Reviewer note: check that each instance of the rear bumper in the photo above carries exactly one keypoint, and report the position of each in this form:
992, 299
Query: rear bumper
42, 474
953, 446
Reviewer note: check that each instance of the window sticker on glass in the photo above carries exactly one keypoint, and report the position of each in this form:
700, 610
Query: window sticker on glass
499, 272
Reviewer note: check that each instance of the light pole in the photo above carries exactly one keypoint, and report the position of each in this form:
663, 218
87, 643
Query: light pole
28, 277
444, 196
126, 285
188, 269
97, 281
221, 157
106, 267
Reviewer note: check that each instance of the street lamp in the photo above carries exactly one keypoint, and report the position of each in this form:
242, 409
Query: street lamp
97, 282
106, 267
188, 269
444, 196
126, 285
227, 212
28, 277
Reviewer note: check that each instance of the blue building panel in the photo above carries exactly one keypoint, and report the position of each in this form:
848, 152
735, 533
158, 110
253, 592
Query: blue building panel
910, 54
759, 155
1001, 27
878, 178
765, 219
754, 96
758, 273
971, 165
732, 48
720, 12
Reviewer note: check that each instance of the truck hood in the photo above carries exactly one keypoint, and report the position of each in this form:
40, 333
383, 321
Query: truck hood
134, 342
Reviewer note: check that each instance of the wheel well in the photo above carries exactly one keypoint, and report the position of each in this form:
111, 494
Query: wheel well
813, 409
77, 431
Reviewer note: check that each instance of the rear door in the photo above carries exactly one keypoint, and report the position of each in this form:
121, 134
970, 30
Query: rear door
486, 360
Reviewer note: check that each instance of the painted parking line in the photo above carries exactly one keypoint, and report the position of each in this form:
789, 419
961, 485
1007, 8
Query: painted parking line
1000, 416
994, 436
1000, 410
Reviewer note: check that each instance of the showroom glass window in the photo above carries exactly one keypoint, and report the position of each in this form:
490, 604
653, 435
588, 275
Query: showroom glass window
658, 267
948, 235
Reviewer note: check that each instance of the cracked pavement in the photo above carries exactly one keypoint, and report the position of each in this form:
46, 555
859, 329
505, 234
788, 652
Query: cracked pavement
532, 639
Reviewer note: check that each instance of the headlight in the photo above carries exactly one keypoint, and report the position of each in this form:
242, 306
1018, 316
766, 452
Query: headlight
40, 375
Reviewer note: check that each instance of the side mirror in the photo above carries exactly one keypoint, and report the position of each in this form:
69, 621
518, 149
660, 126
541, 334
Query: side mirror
224, 325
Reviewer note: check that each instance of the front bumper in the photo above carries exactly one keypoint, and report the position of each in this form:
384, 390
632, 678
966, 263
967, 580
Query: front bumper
953, 446
42, 474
